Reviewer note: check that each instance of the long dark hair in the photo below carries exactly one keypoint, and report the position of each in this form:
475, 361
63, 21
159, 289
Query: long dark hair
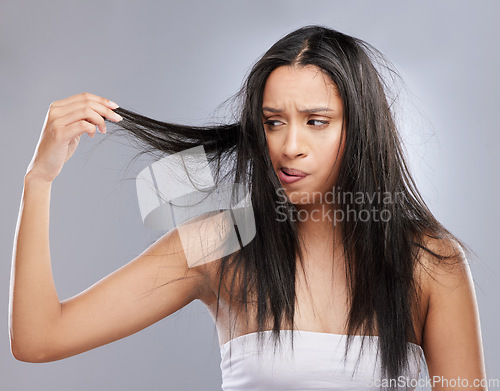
380, 255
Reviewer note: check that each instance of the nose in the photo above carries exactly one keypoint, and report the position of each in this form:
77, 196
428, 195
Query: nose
294, 145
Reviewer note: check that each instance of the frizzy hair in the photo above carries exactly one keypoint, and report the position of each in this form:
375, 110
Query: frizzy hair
380, 256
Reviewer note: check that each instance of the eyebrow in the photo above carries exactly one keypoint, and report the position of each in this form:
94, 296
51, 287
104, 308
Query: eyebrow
304, 111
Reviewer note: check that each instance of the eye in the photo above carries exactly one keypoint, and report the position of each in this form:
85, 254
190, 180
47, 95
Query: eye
272, 123
318, 123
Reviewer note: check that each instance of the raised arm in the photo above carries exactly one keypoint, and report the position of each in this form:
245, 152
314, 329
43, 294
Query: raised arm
152, 286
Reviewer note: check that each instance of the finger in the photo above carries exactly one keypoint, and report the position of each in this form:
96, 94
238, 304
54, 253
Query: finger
83, 113
76, 129
84, 97
99, 108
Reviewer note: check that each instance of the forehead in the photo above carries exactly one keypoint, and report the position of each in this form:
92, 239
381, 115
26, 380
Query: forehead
304, 84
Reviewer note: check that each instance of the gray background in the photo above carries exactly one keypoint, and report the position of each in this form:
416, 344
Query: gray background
178, 61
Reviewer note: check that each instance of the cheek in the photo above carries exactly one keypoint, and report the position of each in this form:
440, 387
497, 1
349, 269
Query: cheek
271, 150
328, 158
327, 151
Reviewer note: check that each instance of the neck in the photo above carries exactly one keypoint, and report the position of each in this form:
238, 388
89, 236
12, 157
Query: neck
316, 223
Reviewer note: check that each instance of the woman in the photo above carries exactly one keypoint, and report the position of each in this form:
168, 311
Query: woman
344, 245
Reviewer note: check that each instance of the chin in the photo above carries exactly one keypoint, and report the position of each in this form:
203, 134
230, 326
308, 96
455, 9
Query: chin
298, 197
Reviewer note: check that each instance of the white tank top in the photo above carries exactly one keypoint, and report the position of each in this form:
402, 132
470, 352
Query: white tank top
317, 363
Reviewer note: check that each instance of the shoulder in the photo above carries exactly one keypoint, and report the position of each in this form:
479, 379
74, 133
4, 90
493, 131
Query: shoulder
171, 256
443, 264
203, 241
451, 334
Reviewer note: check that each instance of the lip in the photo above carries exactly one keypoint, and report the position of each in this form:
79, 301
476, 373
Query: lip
293, 171
297, 175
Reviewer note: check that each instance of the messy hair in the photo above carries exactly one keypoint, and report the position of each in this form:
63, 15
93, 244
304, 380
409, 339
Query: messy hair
380, 256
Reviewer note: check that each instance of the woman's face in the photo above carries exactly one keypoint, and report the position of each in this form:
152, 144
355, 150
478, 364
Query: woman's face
302, 114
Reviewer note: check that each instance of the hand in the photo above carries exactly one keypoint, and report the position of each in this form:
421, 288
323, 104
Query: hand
66, 121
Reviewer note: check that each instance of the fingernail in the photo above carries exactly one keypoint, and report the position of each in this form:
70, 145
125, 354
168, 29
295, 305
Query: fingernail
113, 105
118, 117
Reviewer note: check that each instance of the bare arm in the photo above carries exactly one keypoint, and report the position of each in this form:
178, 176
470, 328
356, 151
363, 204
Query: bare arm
452, 333
42, 328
